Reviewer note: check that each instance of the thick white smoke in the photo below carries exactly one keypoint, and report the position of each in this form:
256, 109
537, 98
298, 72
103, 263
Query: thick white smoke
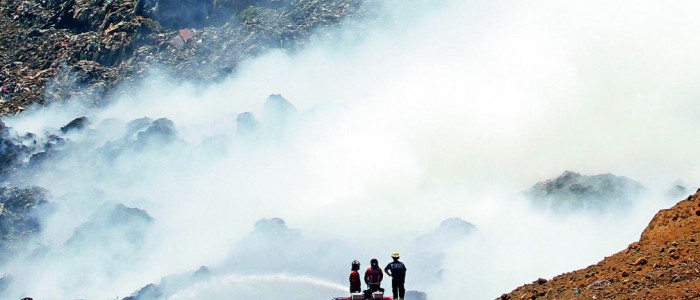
439, 110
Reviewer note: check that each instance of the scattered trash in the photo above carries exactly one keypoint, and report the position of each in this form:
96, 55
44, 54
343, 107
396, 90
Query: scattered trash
181, 39
46, 40
185, 34
178, 42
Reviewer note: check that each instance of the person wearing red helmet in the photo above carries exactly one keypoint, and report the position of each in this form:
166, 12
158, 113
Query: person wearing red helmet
373, 277
355, 283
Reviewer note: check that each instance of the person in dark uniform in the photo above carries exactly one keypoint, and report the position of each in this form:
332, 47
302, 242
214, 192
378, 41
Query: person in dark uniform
355, 283
397, 271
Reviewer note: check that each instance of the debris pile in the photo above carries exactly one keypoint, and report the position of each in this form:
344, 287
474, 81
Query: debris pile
572, 191
19, 216
53, 50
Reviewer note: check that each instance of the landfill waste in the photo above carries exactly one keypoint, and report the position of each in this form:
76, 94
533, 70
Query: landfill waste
52, 51
572, 191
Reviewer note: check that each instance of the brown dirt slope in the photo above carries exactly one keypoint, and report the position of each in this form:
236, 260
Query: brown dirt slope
663, 264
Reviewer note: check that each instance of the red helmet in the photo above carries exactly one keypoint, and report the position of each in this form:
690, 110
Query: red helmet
355, 265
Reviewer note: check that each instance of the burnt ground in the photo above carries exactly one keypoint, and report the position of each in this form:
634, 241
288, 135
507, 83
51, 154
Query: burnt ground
663, 264
54, 50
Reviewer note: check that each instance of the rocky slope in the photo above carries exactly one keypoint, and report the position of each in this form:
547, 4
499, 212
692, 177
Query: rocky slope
663, 264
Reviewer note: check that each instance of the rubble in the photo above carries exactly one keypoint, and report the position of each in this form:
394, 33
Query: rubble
572, 191
52, 50
18, 216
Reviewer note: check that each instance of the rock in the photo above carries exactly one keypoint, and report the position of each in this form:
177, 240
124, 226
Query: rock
150, 291
162, 131
278, 114
278, 108
76, 124
245, 124
137, 125
677, 191
170, 285
640, 261
272, 227
450, 231
573, 191
415, 295
262, 247
113, 233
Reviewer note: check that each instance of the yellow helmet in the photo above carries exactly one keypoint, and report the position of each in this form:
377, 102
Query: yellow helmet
395, 254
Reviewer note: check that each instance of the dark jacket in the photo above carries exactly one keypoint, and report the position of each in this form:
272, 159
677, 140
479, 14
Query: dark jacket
397, 270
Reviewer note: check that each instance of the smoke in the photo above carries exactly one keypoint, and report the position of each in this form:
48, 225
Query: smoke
437, 111
250, 287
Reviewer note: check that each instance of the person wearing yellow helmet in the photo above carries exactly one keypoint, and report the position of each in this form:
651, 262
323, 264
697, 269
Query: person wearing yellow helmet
397, 271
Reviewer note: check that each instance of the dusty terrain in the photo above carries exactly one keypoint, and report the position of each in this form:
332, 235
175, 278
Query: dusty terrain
663, 264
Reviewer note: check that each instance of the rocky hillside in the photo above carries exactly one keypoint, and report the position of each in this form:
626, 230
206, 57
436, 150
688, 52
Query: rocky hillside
663, 264
52, 50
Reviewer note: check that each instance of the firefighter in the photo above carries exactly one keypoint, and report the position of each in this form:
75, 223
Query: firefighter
355, 283
373, 278
397, 271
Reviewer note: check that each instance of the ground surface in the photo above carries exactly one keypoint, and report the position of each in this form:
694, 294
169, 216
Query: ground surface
663, 264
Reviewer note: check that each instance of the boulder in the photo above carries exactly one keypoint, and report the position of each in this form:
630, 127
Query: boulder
161, 131
113, 232
76, 124
278, 113
278, 107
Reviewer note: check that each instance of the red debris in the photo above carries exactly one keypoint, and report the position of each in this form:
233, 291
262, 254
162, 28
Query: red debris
186, 34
